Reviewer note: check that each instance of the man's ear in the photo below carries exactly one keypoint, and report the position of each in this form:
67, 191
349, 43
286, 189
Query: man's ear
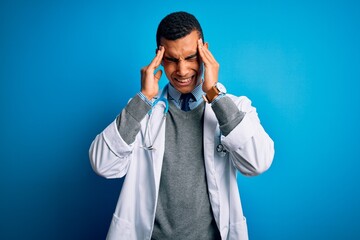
206, 45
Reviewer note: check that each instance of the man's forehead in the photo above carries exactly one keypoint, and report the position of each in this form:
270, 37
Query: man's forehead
180, 50
181, 47
180, 53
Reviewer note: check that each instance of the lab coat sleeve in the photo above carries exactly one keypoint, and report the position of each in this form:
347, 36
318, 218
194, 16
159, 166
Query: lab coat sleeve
250, 147
109, 154
111, 151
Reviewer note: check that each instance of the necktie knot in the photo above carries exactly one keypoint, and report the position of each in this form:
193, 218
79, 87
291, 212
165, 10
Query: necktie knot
185, 98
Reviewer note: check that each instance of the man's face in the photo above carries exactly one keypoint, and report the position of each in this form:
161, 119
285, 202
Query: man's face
181, 62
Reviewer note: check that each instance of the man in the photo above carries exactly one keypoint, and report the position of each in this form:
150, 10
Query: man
180, 173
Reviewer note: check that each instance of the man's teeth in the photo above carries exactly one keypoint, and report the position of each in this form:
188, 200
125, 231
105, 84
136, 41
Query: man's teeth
186, 80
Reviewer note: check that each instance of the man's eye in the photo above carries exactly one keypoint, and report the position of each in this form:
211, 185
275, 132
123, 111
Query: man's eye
192, 59
170, 60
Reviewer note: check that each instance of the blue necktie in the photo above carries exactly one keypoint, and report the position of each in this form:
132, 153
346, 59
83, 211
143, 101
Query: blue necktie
185, 101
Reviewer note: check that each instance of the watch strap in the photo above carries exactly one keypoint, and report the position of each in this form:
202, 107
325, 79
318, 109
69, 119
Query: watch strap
211, 94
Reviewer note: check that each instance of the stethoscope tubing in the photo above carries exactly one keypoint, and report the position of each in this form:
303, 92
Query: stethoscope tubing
166, 110
219, 148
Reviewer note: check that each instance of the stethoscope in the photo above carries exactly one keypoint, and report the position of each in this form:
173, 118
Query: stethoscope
220, 149
162, 98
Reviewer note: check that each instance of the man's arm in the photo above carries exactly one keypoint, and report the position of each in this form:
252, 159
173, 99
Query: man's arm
111, 150
250, 147
227, 113
128, 122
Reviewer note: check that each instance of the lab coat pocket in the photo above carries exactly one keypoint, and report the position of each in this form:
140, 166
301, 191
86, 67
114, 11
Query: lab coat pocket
238, 231
119, 229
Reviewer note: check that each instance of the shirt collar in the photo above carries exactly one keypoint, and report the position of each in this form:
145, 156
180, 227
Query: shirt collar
175, 94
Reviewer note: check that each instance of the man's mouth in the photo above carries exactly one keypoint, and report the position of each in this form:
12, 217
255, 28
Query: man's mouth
184, 80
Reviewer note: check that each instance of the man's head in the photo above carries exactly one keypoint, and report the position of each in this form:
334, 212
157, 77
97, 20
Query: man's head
177, 25
179, 33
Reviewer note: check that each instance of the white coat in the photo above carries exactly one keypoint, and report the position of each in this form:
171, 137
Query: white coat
250, 150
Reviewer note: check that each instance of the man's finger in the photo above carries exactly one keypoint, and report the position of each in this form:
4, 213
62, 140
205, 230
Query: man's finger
201, 49
205, 54
158, 75
155, 63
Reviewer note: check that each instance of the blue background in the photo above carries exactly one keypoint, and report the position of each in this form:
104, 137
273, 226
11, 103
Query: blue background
68, 68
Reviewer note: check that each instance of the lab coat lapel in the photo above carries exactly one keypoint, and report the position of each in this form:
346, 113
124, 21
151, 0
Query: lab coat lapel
210, 124
158, 127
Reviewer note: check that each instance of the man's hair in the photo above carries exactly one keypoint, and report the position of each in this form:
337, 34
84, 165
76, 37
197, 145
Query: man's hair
177, 25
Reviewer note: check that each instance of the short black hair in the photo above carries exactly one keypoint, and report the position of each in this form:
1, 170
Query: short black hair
177, 25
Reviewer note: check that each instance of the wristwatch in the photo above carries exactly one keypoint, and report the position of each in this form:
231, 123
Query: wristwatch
214, 91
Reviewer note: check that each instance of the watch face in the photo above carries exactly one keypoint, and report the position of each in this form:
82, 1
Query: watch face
221, 87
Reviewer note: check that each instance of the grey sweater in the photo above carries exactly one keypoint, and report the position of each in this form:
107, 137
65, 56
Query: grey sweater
183, 209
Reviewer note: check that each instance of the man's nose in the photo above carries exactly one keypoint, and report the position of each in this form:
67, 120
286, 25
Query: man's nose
182, 68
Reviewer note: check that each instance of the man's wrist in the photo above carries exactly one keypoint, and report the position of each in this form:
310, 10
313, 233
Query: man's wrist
145, 99
218, 97
214, 93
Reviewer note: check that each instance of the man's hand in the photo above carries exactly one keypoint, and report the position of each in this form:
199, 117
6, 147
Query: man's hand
211, 71
149, 80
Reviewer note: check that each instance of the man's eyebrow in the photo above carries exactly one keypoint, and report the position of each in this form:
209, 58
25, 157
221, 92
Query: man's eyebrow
171, 59
192, 56
177, 59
